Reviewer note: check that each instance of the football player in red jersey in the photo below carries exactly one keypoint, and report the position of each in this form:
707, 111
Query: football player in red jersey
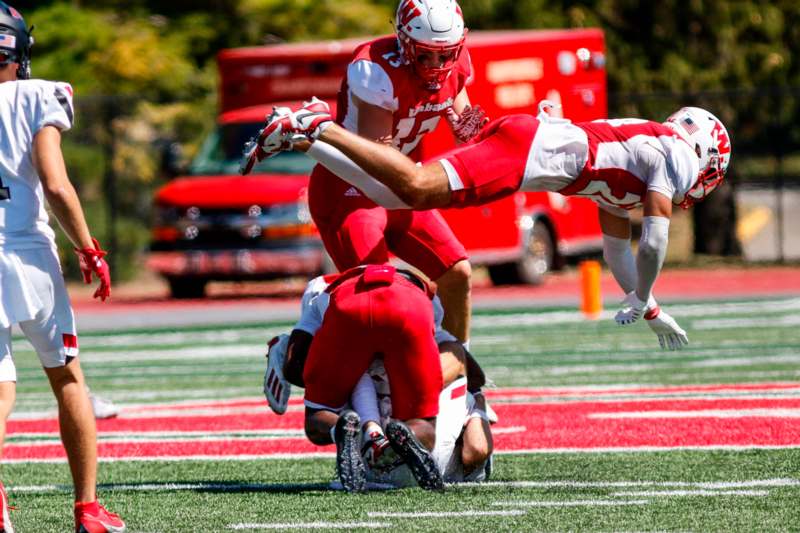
619, 163
397, 89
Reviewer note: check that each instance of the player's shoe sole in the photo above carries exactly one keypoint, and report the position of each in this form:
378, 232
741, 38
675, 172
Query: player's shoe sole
349, 464
418, 459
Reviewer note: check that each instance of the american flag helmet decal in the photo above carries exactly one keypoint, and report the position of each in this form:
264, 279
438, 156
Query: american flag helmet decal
8, 41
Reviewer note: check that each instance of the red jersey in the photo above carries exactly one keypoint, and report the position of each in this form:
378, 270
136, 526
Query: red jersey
378, 76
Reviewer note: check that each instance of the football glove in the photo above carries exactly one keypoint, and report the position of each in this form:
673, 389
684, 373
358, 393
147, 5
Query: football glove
670, 334
91, 262
276, 388
283, 128
468, 124
633, 308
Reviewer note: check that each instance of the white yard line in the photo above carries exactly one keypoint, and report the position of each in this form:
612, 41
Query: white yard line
703, 413
746, 322
691, 310
571, 503
289, 526
649, 449
716, 486
443, 514
710, 485
684, 493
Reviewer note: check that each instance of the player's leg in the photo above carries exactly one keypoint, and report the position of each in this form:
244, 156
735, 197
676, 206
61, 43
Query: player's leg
52, 334
78, 429
351, 226
8, 381
454, 289
424, 240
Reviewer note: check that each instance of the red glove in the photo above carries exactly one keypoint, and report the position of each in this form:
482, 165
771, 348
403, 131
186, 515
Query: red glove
468, 124
91, 261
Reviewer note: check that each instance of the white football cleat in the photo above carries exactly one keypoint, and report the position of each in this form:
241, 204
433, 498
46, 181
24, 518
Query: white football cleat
103, 408
276, 388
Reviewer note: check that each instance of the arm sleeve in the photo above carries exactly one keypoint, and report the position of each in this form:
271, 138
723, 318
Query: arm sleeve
652, 251
57, 109
619, 258
370, 83
341, 165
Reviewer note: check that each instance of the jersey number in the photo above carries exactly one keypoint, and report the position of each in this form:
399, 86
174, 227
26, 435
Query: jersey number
408, 127
5, 192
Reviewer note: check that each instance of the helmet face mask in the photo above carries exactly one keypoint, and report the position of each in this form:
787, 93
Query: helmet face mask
15, 41
430, 35
708, 137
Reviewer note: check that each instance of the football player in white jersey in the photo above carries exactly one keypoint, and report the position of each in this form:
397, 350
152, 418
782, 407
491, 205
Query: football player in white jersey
33, 113
463, 442
621, 164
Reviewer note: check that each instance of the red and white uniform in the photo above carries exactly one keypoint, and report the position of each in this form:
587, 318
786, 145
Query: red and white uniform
354, 229
363, 312
32, 291
456, 408
614, 162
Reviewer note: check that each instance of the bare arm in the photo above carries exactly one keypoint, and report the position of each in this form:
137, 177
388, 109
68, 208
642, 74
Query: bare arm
60, 194
461, 102
374, 123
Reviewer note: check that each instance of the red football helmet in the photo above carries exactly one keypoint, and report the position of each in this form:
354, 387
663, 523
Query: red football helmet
431, 35
706, 134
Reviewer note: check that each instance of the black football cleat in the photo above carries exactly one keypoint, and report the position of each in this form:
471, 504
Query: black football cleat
416, 456
349, 463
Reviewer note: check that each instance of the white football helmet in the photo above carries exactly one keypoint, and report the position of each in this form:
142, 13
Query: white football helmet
706, 134
431, 35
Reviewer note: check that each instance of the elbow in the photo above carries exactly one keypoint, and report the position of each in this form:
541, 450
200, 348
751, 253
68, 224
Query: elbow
414, 193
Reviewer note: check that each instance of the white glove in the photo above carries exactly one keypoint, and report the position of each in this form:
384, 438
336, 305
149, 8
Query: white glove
276, 388
633, 308
670, 334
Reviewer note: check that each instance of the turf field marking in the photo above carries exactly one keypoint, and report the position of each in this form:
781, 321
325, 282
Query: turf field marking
686, 310
773, 483
443, 514
240, 487
682, 493
749, 322
571, 503
289, 526
649, 449
705, 413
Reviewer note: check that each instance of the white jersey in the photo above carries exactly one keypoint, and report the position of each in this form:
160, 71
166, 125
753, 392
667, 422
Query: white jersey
315, 302
27, 106
456, 407
614, 162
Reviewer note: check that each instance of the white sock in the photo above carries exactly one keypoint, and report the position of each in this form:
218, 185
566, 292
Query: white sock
365, 400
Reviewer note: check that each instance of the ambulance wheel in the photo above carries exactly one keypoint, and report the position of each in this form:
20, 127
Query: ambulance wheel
538, 259
184, 288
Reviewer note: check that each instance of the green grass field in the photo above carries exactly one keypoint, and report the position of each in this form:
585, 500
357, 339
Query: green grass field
681, 490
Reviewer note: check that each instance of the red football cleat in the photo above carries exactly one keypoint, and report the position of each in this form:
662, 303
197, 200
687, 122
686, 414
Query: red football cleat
93, 518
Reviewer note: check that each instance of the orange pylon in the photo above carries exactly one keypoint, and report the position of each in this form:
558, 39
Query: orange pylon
591, 299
